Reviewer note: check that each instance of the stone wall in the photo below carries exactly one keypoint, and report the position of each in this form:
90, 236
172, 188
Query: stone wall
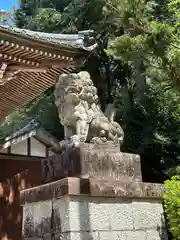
85, 217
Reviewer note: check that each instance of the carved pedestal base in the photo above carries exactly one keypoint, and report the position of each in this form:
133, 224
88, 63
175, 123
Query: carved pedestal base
83, 209
98, 161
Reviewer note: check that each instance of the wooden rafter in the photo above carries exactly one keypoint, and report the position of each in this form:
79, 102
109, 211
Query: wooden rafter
3, 69
24, 68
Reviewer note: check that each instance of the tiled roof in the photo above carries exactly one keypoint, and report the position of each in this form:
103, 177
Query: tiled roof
83, 40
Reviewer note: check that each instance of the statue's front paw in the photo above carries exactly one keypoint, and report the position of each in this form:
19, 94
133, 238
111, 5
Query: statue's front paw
98, 140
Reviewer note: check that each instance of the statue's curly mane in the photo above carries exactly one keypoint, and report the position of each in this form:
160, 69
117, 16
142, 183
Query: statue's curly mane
75, 87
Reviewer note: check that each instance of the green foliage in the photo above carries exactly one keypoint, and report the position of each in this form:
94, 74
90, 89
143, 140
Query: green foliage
172, 205
155, 43
173, 171
152, 126
46, 18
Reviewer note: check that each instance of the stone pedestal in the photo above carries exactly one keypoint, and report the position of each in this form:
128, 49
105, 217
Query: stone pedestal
100, 196
96, 161
81, 209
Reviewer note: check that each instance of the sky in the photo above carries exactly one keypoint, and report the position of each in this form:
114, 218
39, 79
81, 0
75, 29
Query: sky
7, 4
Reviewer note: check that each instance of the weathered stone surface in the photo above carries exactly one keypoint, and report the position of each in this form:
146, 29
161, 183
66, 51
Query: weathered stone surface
120, 216
136, 235
42, 218
47, 237
120, 235
28, 221
92, 160
61, 215
83, 236
60, 236
73, 215
147, 215
47, 191
92, 187
85, 217
99, 215
156, 235
125, 188
37, 219
79, 215
108, 235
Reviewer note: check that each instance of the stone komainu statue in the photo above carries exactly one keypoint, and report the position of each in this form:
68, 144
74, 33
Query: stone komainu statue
79, 112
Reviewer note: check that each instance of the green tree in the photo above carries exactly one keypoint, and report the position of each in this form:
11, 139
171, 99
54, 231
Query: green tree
172, 205
152, 43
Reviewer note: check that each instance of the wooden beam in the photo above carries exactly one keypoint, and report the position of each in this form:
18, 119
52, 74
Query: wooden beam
9, 150
13, 58
56, 63
29, 146
3, 69
24, 68
4, 156
47, 151
25, 50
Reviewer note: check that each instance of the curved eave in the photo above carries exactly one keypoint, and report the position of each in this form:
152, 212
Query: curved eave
10, 34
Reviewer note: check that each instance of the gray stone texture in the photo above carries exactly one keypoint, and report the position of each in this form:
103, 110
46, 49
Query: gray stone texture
92, 161
147, 215
85, 218
37, 219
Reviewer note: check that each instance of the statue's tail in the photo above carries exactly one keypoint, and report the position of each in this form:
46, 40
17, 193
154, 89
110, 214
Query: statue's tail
110, 112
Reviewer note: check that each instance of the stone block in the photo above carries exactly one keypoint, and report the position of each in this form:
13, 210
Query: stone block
42, 218
121, 217
156, 235
120, 235
102, 162
48, 236
71, 215
79, 215
60, 236
125, 188
61, 215
28, 221
147, 215
106, 235
99, 216
83, 236
136, 235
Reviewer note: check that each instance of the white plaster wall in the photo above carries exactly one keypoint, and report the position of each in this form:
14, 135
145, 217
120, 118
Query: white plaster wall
19, 148
37, 148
